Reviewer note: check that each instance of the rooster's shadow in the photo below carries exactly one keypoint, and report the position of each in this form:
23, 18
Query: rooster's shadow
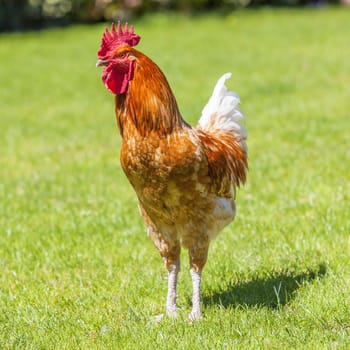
272, 292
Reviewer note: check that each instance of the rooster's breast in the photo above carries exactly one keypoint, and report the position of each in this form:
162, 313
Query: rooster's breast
159, 160
170, 177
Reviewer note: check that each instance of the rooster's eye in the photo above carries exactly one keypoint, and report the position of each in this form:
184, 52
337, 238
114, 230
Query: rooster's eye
122, 55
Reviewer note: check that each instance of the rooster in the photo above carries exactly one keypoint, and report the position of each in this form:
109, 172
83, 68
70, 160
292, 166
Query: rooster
185, 177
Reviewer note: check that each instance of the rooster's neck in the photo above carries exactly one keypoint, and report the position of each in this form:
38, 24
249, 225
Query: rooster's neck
149, 105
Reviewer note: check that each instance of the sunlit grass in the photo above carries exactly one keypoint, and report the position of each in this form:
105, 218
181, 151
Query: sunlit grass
77, 269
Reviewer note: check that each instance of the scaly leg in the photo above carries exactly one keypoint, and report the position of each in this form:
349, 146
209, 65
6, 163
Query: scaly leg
169, 250
173, 271
196, 312
198, 256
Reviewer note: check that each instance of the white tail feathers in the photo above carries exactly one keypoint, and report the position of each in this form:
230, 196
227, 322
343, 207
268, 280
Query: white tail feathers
221, 113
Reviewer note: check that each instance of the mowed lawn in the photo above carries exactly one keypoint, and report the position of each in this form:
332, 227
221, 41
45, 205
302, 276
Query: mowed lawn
77, 268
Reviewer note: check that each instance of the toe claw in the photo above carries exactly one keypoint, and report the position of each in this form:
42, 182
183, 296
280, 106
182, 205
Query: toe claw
171, 313
194, 316
157, 318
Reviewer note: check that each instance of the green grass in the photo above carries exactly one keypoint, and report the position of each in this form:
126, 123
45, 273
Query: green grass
77, 269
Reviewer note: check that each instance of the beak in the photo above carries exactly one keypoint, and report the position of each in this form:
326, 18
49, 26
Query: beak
100, 63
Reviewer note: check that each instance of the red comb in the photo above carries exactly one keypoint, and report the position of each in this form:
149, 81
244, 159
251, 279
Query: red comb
111, 40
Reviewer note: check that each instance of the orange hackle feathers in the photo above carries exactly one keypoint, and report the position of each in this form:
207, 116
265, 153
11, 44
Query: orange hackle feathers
143, 109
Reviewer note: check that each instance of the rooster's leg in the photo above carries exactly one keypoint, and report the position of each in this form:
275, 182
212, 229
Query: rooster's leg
196, 312
171, 257
198, 258
170, 252
173, 271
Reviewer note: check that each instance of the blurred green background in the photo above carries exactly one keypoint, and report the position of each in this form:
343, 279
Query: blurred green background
29, 14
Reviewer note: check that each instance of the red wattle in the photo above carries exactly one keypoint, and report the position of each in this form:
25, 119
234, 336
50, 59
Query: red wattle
116, 78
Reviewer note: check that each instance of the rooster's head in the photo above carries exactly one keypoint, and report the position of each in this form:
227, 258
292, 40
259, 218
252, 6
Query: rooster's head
116, 55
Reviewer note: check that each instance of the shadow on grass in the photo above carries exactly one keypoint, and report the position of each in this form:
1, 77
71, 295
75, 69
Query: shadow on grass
273, 291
